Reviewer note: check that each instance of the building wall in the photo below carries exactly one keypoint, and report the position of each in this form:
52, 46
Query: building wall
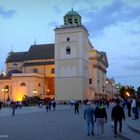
14, 66
71, 70
31, 84
3, 94
97, 68
69, 88
45, 70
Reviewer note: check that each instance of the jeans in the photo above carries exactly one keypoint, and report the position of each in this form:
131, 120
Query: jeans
116, 124
90, 127
100, 122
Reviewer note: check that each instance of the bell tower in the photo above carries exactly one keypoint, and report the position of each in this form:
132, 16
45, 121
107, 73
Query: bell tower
71, 58
72, 18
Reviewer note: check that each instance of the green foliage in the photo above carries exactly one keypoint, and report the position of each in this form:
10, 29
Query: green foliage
138, 92
127, 89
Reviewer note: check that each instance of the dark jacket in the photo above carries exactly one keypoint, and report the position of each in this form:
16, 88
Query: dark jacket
117, 113
100, 112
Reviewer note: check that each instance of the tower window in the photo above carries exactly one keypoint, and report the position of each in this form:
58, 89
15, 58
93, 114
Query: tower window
52, 71
68, 50
22, 84
90, 81
68, 39
35, 70
70, 21
76, 21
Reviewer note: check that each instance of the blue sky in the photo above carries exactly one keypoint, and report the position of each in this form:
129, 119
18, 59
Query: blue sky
113, 25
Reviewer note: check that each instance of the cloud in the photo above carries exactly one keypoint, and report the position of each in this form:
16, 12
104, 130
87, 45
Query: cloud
134, 32
57, 9
53, 23
131, 63
118, 11
6, 13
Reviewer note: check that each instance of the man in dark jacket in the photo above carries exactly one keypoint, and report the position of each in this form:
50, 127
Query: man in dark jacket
76, 107
117, 115
100, 118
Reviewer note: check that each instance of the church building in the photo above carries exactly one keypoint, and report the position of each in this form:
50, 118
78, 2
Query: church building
71, 68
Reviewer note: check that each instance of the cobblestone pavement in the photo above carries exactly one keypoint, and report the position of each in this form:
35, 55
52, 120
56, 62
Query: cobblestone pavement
37, 124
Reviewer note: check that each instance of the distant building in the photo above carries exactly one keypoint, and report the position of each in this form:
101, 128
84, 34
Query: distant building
68, 69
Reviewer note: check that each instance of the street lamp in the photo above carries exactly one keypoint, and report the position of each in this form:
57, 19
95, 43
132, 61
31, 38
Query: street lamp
112, 89
127, 93
48, 90
34, 92
4, 90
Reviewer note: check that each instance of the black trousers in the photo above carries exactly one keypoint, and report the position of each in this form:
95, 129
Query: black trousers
116, 122
129, 112
13, 112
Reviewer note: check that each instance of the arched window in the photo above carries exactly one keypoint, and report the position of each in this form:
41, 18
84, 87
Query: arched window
76, 21
6, 88
68, 50
22, 84
15, 64
70, 21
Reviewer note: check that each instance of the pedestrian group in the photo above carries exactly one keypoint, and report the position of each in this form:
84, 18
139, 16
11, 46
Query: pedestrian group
98, 116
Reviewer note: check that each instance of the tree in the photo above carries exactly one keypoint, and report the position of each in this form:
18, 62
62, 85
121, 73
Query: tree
138, 92
127, 91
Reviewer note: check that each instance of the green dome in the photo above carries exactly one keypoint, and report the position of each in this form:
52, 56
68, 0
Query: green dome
72, 18
72, 13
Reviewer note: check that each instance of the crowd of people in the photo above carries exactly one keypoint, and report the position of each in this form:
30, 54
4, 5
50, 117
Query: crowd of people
98, 115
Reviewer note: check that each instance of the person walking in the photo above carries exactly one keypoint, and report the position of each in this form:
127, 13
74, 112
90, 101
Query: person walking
100, 118
76, 107
14, 106
129, 107
89, 117
117, 115
134, 107
47, 107
54, 105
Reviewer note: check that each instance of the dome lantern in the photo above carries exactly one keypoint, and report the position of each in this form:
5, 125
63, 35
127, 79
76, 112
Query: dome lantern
72, 18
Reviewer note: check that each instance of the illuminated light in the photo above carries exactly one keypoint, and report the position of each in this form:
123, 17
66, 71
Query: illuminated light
19, 98
127, 94
107, 82
48, 90
35, 91
6, 90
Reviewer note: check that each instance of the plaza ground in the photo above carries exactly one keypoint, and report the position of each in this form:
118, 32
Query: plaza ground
32, 123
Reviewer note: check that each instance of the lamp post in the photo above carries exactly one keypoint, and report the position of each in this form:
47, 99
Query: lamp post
35, 92
113, 89
4, 90
103, 91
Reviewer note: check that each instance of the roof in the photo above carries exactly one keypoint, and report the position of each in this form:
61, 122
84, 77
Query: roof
105, 57
38, 63
72, 13
41, 51
16, 56
9, 74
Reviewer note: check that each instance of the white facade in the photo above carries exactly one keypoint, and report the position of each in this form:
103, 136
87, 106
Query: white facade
71, 68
